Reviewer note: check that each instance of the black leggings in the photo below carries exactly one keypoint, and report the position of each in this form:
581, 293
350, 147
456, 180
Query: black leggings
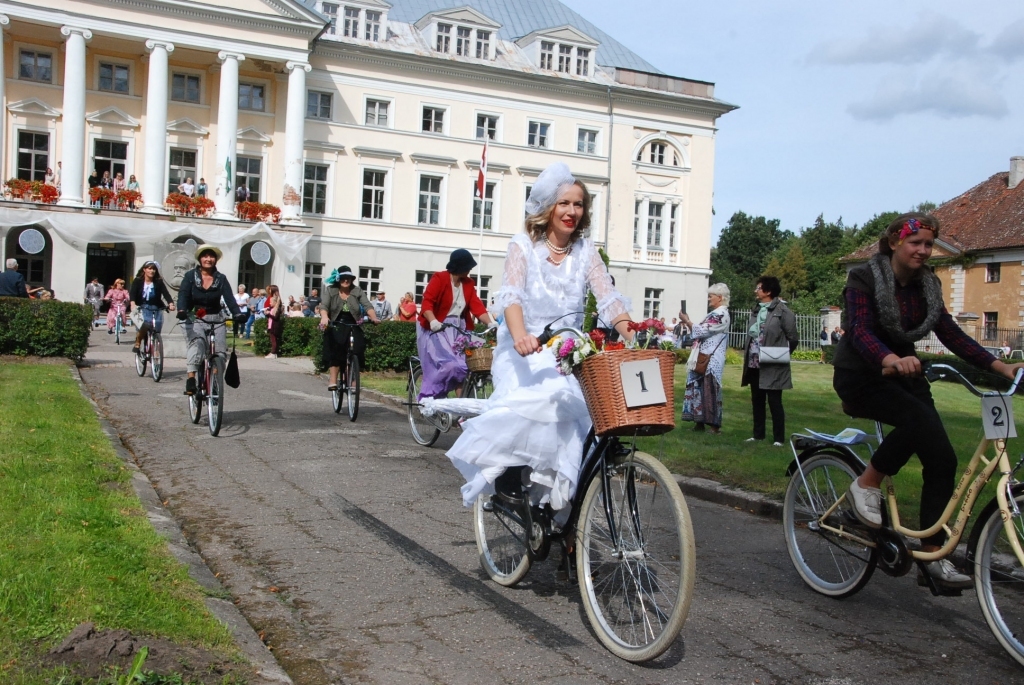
906, 404
757, 401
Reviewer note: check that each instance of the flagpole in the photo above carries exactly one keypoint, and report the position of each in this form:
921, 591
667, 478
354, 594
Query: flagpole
481, 187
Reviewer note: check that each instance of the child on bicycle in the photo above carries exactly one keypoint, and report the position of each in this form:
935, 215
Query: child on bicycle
892, 302
149, 293
343, 303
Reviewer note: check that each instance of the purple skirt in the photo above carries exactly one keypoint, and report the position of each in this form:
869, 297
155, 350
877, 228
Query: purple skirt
444, 369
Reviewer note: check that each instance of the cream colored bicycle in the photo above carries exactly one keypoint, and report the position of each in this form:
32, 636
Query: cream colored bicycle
835, 554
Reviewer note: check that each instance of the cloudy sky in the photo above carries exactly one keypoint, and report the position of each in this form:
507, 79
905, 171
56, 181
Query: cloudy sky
847, 108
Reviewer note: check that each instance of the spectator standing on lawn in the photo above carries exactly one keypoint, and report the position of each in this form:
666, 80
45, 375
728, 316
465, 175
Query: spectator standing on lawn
242, 300
94, 295
836, 335
825, 341
12, 283
294, 311
274, 311
382, 306
771, 337
312, 303
406, 308
254, 305
702, 402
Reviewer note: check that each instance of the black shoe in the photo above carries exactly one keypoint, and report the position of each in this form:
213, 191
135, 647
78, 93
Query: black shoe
110, 332
135, 349
190, 386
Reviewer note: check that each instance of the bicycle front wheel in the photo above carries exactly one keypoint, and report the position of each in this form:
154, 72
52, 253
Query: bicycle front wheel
117, 330
830, 563
195, 402
999, 580
140, 360
215, 400
501, 541
336, 396
423, 429
353, 388
636, 570
156, 351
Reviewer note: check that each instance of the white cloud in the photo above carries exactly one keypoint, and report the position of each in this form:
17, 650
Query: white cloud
1009, 44
932, 34
949, 93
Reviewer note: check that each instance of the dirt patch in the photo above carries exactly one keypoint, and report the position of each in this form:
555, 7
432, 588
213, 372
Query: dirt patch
89, 653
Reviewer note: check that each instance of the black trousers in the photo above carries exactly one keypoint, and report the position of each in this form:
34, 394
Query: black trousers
758, 397
906, 404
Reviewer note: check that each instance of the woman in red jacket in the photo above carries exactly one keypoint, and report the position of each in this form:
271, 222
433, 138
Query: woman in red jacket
450, 298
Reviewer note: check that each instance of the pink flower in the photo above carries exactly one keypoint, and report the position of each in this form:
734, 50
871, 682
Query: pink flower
567, 347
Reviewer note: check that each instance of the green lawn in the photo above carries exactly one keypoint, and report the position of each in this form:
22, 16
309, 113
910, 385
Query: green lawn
387, 383
75, 543
810, 404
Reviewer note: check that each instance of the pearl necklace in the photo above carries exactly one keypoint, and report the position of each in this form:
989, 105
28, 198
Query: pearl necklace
558, 250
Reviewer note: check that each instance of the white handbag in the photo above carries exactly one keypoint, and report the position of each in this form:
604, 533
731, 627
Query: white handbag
774, 355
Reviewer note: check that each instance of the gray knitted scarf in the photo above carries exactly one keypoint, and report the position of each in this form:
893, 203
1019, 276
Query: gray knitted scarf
889, 308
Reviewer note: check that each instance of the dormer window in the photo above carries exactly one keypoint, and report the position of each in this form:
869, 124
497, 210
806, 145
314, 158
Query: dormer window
360, 19
462, 31
331, 11
463, 38
351, 22
444, 37
564, 50
372, 26
547, 55
582, 62
483, 44
565, 58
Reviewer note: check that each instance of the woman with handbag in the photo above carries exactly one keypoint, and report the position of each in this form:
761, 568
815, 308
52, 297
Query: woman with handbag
702, 403
771, 336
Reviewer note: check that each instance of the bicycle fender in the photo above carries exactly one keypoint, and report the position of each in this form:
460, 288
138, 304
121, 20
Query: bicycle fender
972, 542
848, 455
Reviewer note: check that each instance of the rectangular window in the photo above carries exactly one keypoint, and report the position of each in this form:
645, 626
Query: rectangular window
673, 226
183, 165
636, 223
582, 62
314, 278
248, 175
113, 78
486, 126
654, 214
433, 120
372, 26
547, 55
483, 44
33, 155
318, 105
314, 189
110, 156
526, 198
185, 88
369, 280
565, 59
422, 278
463, 38
36, 66
351, 22
483, 287
430, 201
373, 194
483, 211
652, 303
537, 136
377, 113
657, 153
330, 10
444, 37
992, 273
250, 96
586, 142
991, 325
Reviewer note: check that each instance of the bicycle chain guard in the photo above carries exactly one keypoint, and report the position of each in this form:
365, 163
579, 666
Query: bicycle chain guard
893, 556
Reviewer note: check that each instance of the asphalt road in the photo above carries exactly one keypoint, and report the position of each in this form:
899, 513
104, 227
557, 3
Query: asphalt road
346, 546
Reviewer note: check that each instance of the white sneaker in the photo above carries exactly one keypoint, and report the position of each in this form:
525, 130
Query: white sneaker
943, 572
776, 444
271, 356
750, 440
866, 504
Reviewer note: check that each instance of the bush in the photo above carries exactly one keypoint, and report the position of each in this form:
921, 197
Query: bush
806, 355
388, 345
46, 328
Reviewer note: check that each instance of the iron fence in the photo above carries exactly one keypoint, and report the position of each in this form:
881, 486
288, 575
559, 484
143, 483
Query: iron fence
808, 328
994, 339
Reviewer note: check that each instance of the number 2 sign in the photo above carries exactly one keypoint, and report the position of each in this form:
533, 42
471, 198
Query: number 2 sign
641, 383
997, 415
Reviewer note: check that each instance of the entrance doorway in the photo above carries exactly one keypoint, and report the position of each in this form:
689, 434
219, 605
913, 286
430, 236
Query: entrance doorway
109, 262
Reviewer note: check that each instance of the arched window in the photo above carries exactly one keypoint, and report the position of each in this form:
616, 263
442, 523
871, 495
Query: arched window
658, 152
34, 263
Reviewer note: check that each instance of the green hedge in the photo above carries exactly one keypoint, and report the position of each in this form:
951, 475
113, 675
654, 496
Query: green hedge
388, 345
46, 328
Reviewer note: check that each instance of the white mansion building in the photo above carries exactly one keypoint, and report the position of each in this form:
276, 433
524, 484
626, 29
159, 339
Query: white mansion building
364, 121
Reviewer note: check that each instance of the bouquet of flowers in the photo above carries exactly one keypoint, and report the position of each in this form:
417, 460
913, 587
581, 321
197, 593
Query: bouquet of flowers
647, 332
571, 351
465, 345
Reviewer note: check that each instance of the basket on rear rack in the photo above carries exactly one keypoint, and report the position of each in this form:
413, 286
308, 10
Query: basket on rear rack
629, 392
478, 359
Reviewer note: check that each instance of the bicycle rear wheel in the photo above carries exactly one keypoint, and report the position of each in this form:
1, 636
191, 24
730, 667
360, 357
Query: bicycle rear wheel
480, 386
156, 351
831, 564
501, 542
215, 400
353, 388
423, 429
636, 583
999, 580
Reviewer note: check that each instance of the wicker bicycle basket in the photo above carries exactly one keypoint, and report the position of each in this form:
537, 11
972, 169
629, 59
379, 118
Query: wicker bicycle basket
601, 382
479, 359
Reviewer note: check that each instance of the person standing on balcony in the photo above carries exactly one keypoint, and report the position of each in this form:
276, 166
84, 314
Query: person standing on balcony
187, 188
202, 189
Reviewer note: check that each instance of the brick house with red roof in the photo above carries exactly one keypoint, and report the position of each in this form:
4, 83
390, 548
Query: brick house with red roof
982, 230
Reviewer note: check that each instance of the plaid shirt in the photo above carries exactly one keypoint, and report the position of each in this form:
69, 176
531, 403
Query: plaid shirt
913, 309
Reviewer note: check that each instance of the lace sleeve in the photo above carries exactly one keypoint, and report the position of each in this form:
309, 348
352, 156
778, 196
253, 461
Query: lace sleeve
610, 302
513, 282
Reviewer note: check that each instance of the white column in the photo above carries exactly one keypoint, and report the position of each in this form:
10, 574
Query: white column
73, 117
154, 167
4, 21
294, 140
227, 135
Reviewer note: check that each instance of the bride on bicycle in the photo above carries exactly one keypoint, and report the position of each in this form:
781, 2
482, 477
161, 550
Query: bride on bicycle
892, 302
537, 417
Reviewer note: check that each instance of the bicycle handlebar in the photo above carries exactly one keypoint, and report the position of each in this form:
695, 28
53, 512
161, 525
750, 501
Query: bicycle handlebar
935, 371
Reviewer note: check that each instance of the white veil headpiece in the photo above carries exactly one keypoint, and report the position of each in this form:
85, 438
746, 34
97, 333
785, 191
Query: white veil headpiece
549, 186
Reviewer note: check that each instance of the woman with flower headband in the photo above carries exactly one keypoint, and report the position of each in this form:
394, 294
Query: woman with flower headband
892, 302
536, 416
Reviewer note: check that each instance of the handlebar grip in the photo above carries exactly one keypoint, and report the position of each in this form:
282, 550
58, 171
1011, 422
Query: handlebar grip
544, 337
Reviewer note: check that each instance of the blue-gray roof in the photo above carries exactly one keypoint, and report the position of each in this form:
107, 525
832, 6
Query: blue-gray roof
521, 17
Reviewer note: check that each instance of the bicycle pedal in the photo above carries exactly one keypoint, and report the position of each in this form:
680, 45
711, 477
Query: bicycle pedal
939, 589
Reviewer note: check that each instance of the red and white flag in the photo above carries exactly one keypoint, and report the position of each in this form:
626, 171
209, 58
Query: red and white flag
481, 179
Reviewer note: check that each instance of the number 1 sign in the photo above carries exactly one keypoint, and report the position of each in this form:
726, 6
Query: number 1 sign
997, 415
641, 383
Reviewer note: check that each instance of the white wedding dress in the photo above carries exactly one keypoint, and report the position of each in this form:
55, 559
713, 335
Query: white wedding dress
535, 417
